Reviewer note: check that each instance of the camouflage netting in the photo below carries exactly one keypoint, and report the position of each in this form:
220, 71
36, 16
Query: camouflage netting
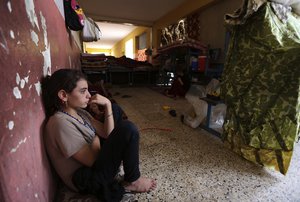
260, 86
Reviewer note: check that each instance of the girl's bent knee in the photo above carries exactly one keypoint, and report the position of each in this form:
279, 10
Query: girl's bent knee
128, 126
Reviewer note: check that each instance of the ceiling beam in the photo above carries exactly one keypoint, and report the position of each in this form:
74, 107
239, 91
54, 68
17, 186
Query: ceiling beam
119, 20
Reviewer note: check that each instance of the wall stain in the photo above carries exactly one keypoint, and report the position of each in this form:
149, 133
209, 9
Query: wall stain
3, 42
9, 6
12, 34
11, 125
26, 78
13, 150
38, 88
22, 84
18, 79
17, 92
46, 53
44, 27
47, 62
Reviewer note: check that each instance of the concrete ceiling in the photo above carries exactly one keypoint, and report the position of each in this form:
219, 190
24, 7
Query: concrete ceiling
139, 12
112, 14
111, 33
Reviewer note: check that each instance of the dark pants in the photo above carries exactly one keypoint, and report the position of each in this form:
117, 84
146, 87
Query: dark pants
118, 117
121, 145
117, 113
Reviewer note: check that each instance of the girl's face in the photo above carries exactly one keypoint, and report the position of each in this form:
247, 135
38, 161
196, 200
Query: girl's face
80, 95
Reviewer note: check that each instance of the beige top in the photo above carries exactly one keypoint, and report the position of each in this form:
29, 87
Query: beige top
63, 138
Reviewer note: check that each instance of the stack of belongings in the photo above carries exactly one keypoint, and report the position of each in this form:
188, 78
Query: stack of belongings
93, 61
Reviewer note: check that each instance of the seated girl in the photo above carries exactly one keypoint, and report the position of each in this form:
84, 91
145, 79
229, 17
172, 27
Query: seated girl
72, 140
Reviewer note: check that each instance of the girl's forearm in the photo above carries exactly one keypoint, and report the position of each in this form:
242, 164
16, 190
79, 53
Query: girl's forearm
108, 119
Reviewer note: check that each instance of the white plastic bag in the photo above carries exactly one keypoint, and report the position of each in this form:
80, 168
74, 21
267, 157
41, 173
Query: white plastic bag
295, 4
195, 115
218, 114
91, 31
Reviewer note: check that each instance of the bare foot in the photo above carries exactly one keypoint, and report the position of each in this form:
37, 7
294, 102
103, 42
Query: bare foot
141, 185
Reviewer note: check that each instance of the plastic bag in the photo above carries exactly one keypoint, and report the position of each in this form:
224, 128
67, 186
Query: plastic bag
217, 116
91, 31
213, 87
195, 115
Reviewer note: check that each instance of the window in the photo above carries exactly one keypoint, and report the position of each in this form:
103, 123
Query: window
143, 41
129, 48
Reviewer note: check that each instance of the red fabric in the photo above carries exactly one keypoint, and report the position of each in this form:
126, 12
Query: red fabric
177, 88
201, 63
142, 55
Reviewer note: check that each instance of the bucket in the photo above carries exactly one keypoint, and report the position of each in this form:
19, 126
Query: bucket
194, 63
201, 63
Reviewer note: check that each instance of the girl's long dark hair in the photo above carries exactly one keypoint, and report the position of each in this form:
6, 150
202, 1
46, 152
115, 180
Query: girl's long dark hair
62, 79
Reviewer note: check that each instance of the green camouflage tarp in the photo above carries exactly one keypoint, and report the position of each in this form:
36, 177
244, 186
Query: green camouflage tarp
260, 86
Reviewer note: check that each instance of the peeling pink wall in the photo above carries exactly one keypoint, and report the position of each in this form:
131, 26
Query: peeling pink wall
33, 41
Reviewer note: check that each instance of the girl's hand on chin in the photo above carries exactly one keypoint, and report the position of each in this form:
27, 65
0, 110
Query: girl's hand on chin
100, 100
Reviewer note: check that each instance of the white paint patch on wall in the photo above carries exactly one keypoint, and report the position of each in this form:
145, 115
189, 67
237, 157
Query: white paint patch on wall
44, 27
46, 53
9, 6
22, 84
12, 34
3, 42
38, 88
19, 144
26, 79
70, 61
10, 125
60, 7
18, 79
29, 6
34, 37
47, 62
17, 93
14, 113
20, 63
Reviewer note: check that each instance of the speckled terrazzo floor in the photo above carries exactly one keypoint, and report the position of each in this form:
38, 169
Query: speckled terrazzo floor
193, 165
